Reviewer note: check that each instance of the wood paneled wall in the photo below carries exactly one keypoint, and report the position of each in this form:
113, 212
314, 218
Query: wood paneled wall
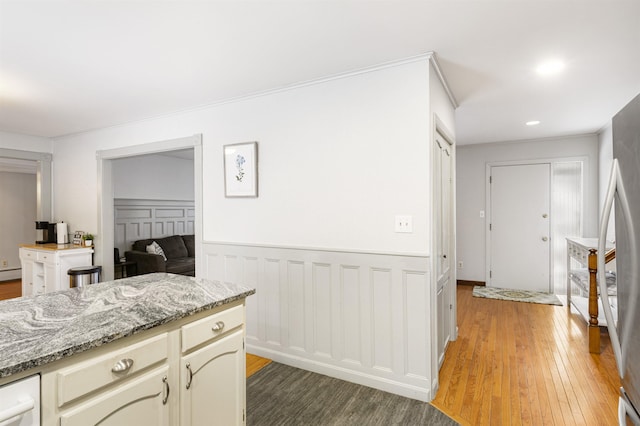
360, 317
139, 219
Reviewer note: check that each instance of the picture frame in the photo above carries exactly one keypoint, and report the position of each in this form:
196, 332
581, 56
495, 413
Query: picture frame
77, 237
241, 170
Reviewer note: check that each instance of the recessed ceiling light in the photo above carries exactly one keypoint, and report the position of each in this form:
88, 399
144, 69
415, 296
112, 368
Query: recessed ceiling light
532, 123
550, 67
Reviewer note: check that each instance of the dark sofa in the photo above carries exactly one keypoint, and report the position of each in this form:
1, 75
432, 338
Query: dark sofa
180, 251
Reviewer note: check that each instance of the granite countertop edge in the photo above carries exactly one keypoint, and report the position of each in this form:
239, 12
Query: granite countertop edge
67, 351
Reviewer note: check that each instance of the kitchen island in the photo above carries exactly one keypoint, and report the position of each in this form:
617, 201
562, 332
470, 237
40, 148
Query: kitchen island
156, 348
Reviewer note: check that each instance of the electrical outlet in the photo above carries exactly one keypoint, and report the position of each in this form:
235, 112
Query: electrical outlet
5, 263
404, 223
460, 264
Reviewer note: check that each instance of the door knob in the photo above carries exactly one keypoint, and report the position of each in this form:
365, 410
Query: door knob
544, 215
544, 238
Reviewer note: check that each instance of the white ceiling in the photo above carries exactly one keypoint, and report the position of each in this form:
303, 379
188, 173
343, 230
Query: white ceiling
72, 66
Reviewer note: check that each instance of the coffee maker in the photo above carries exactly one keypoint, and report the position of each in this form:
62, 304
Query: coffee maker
48, 232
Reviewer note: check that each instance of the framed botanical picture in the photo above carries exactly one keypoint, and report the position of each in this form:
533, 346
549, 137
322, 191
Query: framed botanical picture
241, 170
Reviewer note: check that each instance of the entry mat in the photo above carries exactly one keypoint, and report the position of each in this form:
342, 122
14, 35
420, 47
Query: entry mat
516, 295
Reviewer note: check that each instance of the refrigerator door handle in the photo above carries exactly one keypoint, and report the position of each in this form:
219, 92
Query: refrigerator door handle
626, 409
604, 222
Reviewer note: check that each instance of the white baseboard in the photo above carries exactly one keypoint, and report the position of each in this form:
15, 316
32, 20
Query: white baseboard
13, 274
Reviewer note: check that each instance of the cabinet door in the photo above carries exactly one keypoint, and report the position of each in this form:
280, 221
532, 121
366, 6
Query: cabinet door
27, 277
51, 278
143, 401
212, 384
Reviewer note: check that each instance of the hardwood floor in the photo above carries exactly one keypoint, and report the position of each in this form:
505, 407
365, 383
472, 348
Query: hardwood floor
255, 364
10, 289
523, 363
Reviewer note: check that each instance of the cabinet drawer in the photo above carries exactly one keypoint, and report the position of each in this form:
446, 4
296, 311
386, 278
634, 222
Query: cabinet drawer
208, 328
44, 256
76, 381
28, 254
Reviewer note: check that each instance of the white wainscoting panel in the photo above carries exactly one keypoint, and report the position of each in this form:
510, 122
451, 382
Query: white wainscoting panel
360, 317
139, 219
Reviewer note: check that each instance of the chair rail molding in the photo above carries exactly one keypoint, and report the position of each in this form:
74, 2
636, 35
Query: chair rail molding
356, 316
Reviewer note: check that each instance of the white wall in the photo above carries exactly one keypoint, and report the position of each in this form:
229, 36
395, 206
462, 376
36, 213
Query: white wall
337, 161
153, 177
471, 163
25, 142
17, 218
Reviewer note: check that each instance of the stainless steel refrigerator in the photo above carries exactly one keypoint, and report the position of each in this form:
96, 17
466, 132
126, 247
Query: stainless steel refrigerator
624, 189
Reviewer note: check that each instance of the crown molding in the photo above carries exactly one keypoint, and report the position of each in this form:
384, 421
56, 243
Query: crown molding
433, 58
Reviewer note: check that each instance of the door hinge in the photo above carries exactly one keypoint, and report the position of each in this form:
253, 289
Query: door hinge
450, 306
490, 227
243, 344
490, 274
243, 415
490, 179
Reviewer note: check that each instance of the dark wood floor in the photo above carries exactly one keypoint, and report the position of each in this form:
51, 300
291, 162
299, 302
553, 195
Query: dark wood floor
283, 395
523, 363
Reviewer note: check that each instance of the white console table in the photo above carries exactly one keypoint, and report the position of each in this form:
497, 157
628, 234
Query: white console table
45, 266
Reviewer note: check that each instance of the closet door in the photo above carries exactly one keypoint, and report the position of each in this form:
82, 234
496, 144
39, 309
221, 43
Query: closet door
443, 232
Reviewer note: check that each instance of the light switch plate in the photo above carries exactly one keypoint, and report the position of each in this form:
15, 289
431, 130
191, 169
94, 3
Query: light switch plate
404, 223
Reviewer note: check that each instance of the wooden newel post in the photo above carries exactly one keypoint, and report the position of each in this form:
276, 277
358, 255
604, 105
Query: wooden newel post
594, 330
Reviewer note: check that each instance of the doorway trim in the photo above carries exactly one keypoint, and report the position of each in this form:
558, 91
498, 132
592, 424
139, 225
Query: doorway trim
104, 248
487, 204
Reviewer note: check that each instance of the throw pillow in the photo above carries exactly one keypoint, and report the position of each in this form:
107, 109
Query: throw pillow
154, 248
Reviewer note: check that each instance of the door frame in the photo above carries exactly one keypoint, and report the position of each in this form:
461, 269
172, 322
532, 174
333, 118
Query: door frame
104, 246
487, 203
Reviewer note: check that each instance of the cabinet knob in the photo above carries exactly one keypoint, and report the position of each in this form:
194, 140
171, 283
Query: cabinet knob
545, 238
122, 365
218, 326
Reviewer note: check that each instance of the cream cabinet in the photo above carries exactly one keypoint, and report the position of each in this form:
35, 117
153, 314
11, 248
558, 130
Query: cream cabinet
44, 269
142, 401
212, 377
137, 380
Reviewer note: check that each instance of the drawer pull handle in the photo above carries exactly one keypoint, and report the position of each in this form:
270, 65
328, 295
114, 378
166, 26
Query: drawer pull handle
190, 375
122, 365
167, 390
218, 326
23, 406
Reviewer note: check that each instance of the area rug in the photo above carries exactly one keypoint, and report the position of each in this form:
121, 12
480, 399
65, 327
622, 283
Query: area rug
287, 396
516, 295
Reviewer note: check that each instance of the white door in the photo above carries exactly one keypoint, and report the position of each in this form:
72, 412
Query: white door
519, 227
443, 235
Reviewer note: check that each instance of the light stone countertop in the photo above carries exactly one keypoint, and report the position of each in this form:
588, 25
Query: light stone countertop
41, 329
